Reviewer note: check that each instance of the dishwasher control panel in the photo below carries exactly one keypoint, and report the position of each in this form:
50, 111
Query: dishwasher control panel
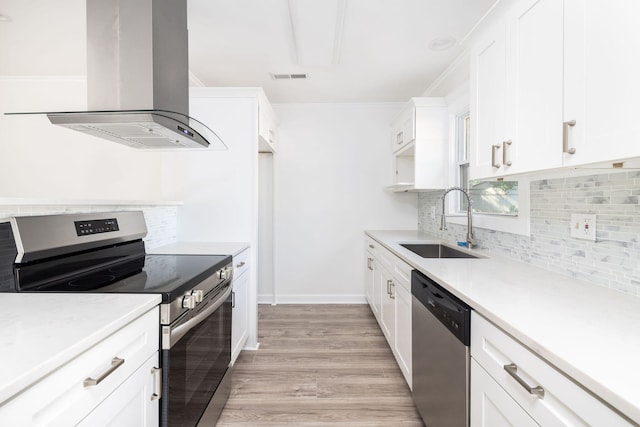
453, 313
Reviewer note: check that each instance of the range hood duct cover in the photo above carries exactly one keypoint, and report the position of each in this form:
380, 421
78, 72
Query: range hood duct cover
138, 77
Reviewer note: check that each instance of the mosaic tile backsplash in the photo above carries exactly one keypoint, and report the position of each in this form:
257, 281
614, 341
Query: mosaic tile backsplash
613, 260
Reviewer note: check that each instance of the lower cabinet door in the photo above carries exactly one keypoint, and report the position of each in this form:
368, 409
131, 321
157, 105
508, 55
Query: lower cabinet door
491, 406
240, 313
402, 348
387, 307
132, 404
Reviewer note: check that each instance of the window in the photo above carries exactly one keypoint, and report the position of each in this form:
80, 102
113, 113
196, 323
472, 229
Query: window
463, 137
488, 197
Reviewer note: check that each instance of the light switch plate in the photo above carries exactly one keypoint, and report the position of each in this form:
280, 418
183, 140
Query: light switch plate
583, 226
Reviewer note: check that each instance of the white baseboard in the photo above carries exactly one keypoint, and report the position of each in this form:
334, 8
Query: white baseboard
313, 299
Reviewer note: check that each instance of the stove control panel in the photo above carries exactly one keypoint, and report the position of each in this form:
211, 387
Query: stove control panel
96, 226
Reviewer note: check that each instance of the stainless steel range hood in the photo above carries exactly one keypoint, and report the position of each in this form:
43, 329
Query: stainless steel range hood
138, 77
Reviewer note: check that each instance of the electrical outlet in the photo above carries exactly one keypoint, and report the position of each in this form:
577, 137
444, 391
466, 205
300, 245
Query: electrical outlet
433, 212
583, 226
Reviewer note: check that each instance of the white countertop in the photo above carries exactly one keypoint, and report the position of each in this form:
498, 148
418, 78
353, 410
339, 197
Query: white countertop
202, 248
41, 332
589, 332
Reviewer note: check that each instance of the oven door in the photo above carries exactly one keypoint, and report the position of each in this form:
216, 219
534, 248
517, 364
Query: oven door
196, 353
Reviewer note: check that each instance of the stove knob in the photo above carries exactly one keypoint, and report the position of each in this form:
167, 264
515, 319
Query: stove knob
224, 273
198, 294
189, 301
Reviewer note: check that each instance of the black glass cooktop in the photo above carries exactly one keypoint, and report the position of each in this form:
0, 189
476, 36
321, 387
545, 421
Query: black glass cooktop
123, 269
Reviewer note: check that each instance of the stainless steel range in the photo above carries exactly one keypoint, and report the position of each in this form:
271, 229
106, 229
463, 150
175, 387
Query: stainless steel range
105, 253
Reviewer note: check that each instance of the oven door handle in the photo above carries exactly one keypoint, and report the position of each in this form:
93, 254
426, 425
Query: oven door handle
170, 335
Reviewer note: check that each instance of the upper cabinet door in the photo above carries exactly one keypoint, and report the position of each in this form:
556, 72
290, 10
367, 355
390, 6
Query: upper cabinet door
602, 79
516, 91
488, 98
534, 86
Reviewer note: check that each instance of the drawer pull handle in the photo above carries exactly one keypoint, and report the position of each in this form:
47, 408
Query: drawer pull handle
115, 364
506, 144
512, 369
157, 373
565, 137
241, 264
372, 247
494, 147
389, 287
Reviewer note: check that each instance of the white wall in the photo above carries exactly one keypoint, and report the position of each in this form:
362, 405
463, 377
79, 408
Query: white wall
332, 163
40, 160
216, 187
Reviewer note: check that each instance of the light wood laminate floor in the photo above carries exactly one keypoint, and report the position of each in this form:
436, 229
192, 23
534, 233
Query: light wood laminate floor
319, 365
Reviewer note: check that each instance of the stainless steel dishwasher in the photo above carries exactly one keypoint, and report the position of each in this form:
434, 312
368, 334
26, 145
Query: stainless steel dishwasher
441, 326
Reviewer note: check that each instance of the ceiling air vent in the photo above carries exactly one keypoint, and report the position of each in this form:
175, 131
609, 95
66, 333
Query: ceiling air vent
290, 76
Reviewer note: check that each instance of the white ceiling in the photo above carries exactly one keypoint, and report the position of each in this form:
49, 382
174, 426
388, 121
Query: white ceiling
352, 50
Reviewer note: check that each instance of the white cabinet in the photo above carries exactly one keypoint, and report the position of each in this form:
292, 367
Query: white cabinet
516, 91
488, 88
601, 79
267, 128
404, 128
130, 405
372, 279
388, 290
553, 85
240, 297
120, 365
491, 406
402, 343
544, 393
388, 307
420, 145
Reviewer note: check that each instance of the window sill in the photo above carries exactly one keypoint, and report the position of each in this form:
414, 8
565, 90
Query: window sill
508, 224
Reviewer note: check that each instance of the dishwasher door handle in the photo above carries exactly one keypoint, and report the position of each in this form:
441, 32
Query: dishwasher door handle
512, 369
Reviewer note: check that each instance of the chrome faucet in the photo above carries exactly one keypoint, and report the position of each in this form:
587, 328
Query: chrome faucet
471, 241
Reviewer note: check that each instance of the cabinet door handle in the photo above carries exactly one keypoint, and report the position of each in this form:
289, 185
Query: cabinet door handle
115, 364
372, 247
506, 144
233, 299
565, 137
389, 287
157, 393
242, 263
494, 148
391, 294
512, 369
399, 137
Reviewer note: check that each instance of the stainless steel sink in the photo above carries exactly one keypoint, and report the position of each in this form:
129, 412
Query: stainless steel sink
436, 250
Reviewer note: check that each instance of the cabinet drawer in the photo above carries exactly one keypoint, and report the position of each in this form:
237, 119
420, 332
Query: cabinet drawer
61, 398
491, 405
371, 245
241, 263
402, 273
563, 403
131, 403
